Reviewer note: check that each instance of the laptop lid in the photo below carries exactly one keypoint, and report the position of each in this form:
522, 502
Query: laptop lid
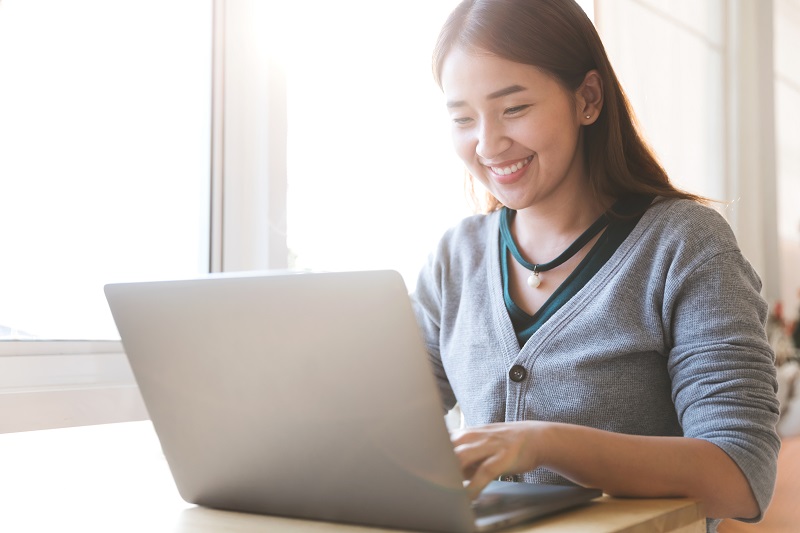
296, 394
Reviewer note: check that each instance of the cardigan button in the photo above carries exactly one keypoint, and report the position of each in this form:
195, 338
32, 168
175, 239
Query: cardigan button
517, 373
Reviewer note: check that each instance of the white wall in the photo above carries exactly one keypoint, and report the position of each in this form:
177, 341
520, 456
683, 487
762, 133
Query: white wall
700, 77
787, 116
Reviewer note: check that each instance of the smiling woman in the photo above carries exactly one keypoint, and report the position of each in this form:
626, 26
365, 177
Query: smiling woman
639, 364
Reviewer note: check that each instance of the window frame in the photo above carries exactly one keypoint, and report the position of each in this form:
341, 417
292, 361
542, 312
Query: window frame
247, 231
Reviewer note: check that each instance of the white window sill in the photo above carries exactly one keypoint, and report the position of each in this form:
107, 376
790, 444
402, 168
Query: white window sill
52, 384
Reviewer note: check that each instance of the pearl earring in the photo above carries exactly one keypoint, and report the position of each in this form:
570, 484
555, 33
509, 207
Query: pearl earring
588, 116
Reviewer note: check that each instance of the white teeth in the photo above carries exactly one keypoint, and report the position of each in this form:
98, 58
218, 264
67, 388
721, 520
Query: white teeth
513, 168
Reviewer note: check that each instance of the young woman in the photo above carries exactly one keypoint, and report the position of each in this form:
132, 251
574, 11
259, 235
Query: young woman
596, 325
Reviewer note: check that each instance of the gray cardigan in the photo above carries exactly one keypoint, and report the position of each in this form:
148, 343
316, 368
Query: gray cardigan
666, 339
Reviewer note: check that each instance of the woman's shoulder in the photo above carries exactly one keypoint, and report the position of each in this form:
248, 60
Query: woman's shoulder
690, 211
689, 223
471, 229
464, 246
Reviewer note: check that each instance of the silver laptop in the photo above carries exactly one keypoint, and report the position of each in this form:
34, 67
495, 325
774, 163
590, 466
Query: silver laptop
306, 395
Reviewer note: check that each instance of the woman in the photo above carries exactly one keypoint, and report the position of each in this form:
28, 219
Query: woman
596, 326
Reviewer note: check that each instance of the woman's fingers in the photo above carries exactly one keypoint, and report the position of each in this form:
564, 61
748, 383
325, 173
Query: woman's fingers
487, 452
472, 452
489, 470
482, 459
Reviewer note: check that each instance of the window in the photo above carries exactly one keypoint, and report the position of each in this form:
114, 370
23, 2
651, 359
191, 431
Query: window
372, 178
104, 156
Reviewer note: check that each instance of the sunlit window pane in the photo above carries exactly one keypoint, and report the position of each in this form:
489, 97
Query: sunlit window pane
104, 155
372, 178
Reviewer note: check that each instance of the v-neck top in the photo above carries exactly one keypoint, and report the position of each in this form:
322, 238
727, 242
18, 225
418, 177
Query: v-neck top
665, 339
619, 227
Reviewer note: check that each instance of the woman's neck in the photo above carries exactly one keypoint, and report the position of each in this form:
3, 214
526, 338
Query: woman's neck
542, 232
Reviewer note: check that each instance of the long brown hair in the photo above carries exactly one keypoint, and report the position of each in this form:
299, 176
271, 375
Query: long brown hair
557, 37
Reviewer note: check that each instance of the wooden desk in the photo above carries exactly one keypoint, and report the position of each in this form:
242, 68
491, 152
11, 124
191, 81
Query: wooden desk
113, 478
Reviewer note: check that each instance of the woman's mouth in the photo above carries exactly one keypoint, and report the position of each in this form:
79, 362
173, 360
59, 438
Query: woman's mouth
510, 172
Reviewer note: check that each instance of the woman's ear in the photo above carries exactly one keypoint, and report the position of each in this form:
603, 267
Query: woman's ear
589, 98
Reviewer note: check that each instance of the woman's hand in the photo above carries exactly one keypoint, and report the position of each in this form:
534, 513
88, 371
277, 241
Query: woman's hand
488, 452
618, 464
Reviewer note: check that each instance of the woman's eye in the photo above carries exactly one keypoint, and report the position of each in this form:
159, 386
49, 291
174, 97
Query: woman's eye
462, 120
516, 109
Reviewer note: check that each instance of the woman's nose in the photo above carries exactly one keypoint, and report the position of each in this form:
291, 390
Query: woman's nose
492, 140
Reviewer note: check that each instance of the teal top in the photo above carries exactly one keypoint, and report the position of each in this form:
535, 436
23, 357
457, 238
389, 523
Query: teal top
629, 212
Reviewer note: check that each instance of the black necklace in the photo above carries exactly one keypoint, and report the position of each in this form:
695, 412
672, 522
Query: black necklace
580, 242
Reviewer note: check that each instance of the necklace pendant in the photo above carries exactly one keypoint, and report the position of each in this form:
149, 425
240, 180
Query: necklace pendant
534, 281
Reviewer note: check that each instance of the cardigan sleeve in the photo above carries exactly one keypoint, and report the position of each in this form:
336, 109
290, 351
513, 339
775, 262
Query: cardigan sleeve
721, 365
427, 304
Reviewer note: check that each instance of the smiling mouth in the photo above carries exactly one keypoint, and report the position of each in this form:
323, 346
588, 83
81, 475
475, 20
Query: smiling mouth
505, 171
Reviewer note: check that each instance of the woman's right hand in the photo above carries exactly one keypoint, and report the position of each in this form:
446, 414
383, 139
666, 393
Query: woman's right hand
488, 452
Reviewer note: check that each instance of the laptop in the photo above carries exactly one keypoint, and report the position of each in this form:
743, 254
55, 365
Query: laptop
306, 395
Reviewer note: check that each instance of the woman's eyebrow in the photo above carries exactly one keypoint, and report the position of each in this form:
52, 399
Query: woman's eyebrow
511, 89
505, 92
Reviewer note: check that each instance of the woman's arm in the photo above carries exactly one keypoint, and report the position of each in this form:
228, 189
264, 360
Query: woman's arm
618, 464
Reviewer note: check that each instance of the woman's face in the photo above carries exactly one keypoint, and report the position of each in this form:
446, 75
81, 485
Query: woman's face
516, 129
